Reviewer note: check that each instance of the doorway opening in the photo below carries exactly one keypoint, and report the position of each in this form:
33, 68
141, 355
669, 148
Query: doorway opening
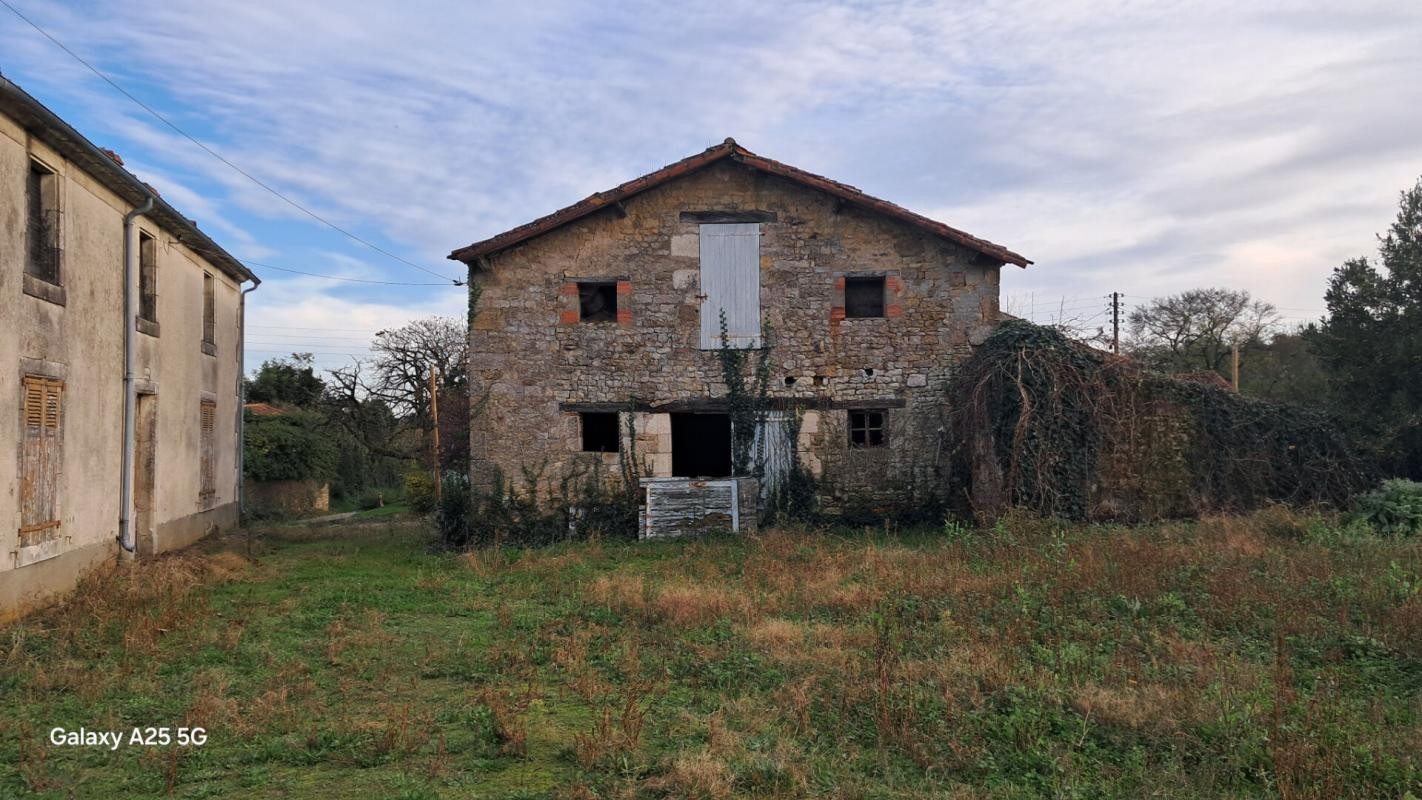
701, 445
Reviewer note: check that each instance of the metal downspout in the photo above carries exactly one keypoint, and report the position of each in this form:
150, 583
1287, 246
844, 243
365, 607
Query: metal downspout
242, 397
130, 321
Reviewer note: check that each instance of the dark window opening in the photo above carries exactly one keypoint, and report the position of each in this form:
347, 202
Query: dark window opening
864, 297
209, 310
42, 224
701, 445
597, 302
866, 428
147, 278
600, 432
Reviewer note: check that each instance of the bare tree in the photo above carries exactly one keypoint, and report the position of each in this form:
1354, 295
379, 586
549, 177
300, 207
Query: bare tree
386, 399
1195, 330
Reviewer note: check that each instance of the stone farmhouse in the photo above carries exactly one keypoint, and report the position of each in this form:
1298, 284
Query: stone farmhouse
595, 329
120, 359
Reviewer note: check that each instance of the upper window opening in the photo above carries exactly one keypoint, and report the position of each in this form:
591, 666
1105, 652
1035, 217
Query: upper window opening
866, 428
597, 301
42, 223
147, 278
864, 297
209, 309
600, 432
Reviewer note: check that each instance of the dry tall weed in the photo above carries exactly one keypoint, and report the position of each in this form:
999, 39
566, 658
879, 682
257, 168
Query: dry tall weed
696, 776
691, 605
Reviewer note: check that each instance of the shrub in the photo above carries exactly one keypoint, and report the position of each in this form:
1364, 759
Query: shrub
453, 513
1394, 509
420, 492
372, 498
580, 506
1068, 431
290, 446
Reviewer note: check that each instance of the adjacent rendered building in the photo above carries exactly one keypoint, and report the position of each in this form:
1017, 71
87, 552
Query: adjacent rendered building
119, 405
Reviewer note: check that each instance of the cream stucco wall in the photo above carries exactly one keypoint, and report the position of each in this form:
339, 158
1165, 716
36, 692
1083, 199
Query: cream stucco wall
82, 342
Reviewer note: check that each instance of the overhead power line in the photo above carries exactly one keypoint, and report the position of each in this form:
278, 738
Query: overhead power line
249, 176
335, 277
310, 328
250, 263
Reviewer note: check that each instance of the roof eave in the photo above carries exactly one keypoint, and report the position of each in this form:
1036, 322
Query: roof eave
74, 146
476, 254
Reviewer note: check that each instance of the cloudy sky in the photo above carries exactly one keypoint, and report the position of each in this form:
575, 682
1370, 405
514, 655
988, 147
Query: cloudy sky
1132, 147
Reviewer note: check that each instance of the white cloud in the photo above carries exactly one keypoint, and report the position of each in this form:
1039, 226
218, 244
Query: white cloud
1145, 148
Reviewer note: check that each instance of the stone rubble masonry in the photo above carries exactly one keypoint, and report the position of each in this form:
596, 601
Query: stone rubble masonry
530, 352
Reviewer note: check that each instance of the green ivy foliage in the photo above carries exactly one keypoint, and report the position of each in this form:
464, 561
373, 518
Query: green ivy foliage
1052, 410
1394, 509
746, 398
290, 446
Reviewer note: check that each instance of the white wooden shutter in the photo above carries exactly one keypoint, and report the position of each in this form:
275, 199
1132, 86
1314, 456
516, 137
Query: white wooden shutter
730, 282
773, 449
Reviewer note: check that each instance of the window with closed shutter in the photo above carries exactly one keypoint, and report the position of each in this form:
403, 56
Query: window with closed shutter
41, 458
730, 285
208, 472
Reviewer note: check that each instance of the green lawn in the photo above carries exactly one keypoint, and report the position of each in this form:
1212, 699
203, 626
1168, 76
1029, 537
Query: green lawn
1268, 656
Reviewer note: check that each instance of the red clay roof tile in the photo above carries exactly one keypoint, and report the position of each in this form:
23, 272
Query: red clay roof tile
729, 149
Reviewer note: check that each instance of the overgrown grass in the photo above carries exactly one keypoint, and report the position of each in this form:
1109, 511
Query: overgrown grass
1274, 655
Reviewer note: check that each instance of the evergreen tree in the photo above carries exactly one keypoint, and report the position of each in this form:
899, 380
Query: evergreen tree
1371, 342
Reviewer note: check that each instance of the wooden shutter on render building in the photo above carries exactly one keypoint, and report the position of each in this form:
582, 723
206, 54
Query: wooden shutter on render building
41, 458
730, 283
208, 423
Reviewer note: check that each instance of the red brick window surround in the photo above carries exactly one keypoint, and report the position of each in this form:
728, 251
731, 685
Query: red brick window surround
866, 296
595, 300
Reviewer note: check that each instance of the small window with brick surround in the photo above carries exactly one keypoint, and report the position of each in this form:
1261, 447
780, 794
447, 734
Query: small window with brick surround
207, 426
597, 301
41, 457
600, 432
867, 428
864, 297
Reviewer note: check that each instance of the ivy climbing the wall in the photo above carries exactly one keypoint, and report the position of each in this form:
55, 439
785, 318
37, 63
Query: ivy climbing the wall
747, 398
1065, 430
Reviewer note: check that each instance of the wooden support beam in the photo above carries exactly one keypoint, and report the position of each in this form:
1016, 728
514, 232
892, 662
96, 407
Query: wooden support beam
709, 217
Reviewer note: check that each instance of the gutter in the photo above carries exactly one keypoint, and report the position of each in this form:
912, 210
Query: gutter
130, 321
242, 397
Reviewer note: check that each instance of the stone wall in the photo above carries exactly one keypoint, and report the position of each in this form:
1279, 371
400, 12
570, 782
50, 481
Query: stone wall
290, 497
533, 363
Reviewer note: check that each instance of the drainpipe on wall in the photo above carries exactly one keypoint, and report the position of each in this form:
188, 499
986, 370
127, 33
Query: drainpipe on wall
130, 270
242, 396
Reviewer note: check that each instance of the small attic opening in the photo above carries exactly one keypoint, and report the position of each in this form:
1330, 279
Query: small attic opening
597, 301
864, 297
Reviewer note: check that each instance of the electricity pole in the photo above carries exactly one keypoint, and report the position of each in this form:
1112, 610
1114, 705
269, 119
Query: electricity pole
434, 439
1116, 322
